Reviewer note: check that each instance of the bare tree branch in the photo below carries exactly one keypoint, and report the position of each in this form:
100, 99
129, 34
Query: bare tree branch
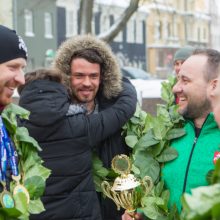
85, 16
109, 35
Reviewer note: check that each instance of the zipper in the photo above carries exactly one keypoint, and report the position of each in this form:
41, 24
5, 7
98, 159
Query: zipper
191, 153
188, 165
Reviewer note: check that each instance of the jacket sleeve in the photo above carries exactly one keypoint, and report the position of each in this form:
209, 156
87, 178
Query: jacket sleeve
110, 120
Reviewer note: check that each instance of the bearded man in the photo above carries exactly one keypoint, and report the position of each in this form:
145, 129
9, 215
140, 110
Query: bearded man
198, 148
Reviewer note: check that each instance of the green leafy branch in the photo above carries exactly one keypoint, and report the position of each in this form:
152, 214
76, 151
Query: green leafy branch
149, 138
204, 202
33, 173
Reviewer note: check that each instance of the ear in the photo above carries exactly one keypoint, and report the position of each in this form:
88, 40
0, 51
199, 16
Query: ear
213, 87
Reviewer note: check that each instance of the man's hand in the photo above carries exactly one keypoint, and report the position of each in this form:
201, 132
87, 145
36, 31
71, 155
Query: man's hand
126, 216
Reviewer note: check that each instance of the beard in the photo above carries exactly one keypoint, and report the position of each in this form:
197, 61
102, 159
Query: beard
196, 109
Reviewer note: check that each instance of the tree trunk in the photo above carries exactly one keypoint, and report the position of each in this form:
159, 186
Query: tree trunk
85, 16
109, 35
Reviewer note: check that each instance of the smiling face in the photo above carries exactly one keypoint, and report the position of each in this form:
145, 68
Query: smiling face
177, 65
85, 80
11, 76
191, 89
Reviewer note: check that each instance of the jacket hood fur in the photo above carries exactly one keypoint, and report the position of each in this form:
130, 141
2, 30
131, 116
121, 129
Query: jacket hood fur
111, 84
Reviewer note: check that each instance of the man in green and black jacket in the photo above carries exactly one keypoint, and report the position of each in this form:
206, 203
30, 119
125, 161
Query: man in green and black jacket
197, 149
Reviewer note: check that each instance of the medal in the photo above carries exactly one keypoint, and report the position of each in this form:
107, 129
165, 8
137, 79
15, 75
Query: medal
20, 188
8, 156
6, 198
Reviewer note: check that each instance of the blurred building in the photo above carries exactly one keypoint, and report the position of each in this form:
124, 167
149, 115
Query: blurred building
214, 6
130, 44
6, 13
148, 41
172, 24
36, 22
44, 25
67, 22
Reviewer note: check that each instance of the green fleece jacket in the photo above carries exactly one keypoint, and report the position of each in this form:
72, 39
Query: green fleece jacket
195, 159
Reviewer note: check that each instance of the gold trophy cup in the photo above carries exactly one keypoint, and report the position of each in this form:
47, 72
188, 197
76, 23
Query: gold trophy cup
126, 191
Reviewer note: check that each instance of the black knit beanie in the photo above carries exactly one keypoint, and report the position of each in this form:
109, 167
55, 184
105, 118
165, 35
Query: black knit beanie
11, 45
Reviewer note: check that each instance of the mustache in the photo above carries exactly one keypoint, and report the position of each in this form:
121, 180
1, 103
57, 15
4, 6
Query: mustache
86, 88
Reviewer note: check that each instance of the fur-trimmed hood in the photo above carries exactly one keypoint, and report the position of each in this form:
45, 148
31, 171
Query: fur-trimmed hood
111, 84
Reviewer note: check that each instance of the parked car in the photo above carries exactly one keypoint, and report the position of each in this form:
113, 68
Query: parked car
135, 73
146, 85
148, 88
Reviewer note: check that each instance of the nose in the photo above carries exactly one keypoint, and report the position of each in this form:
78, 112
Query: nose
177, 87
178, 66
19, 77
87, 81
177, 69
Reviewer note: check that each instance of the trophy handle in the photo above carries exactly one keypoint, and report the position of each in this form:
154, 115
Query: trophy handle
147, 183
106, 188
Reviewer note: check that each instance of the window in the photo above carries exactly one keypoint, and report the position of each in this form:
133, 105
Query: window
28, 19
158, 30
71, 23
198, 34
169, 29
204, 34
119, 37
131, 31
105, 23
175, 29
165, 29
191, 5
48, 25
139, 31
191, 35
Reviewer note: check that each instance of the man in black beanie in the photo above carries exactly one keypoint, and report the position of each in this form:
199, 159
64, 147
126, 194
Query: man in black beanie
13, 56
15, 194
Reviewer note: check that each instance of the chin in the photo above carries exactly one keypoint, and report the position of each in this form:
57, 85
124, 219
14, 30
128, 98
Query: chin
87, 99
6, 101
181, 111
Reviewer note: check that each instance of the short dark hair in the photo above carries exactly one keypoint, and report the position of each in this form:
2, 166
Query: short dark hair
213, 62
91, 55
48, 74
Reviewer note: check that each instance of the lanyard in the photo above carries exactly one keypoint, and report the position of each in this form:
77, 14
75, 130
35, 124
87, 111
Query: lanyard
8, 154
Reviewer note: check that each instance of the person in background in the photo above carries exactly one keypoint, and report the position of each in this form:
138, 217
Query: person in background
196, 149
67, 137
180, 56
96, 81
